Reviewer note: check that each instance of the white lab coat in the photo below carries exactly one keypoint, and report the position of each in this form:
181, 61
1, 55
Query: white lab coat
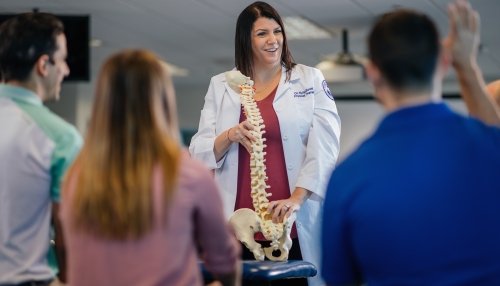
310, 130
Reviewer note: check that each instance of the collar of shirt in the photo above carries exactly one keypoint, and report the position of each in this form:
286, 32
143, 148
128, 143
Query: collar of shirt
418, 114
19, 94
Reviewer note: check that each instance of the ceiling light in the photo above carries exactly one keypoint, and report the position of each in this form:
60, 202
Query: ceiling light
344, 66
299, 28
95, 43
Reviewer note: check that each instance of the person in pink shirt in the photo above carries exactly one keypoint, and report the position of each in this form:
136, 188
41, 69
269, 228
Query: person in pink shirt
136, 209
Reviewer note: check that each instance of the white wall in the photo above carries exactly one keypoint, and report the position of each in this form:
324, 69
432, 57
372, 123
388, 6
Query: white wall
190, 101
358, 120
74, 104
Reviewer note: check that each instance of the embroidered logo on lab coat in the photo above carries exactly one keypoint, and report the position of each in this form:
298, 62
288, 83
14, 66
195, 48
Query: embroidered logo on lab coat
304, 92
327, 90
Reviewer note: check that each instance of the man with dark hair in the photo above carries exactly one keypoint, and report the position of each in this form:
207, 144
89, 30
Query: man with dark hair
36, 147
418, 202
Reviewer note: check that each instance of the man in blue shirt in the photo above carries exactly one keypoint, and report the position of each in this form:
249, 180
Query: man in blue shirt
36, 146
418, 202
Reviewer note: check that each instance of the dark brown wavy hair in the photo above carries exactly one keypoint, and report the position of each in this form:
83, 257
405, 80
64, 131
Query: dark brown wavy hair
243, 38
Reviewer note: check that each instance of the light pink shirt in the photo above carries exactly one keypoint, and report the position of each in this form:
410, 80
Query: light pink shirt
167, 255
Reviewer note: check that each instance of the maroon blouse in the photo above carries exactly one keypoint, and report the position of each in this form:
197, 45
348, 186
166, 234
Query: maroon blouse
275, 162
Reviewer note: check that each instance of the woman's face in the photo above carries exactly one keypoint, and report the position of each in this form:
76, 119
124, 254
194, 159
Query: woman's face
267, 42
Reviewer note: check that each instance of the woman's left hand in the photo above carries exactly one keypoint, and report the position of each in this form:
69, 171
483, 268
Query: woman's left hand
282, 209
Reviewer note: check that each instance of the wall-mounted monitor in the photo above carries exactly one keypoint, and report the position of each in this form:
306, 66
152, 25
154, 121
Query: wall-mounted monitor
77, 30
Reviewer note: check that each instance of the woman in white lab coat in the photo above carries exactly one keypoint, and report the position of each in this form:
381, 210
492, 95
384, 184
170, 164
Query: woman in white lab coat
302, 126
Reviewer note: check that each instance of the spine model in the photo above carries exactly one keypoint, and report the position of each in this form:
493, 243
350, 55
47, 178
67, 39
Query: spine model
246, 222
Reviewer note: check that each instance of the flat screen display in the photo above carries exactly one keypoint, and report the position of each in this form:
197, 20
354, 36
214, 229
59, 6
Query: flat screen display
77, 30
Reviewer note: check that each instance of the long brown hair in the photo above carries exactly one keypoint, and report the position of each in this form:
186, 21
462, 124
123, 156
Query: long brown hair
243, 38
133, 130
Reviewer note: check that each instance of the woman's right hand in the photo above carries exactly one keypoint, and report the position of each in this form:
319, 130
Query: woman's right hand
242, 134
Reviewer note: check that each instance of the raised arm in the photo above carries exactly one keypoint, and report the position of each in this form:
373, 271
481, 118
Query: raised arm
463, 43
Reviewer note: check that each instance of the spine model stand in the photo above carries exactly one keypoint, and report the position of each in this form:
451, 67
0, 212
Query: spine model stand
247, 222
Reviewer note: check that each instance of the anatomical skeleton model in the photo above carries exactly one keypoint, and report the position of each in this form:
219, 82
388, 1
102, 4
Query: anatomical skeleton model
247, 222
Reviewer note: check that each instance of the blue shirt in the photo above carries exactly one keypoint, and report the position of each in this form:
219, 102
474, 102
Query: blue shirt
418, 203
36, 148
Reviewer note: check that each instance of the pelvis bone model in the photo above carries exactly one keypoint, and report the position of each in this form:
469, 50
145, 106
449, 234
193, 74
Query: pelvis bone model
247, 222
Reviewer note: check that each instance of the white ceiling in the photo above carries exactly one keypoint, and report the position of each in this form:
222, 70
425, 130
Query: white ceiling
198, 34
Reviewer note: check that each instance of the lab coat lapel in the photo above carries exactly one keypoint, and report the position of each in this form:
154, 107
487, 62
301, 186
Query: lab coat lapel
285, 85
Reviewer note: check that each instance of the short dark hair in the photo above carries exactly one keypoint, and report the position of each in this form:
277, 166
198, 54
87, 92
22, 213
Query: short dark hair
23, 39
243, 38
404, 45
